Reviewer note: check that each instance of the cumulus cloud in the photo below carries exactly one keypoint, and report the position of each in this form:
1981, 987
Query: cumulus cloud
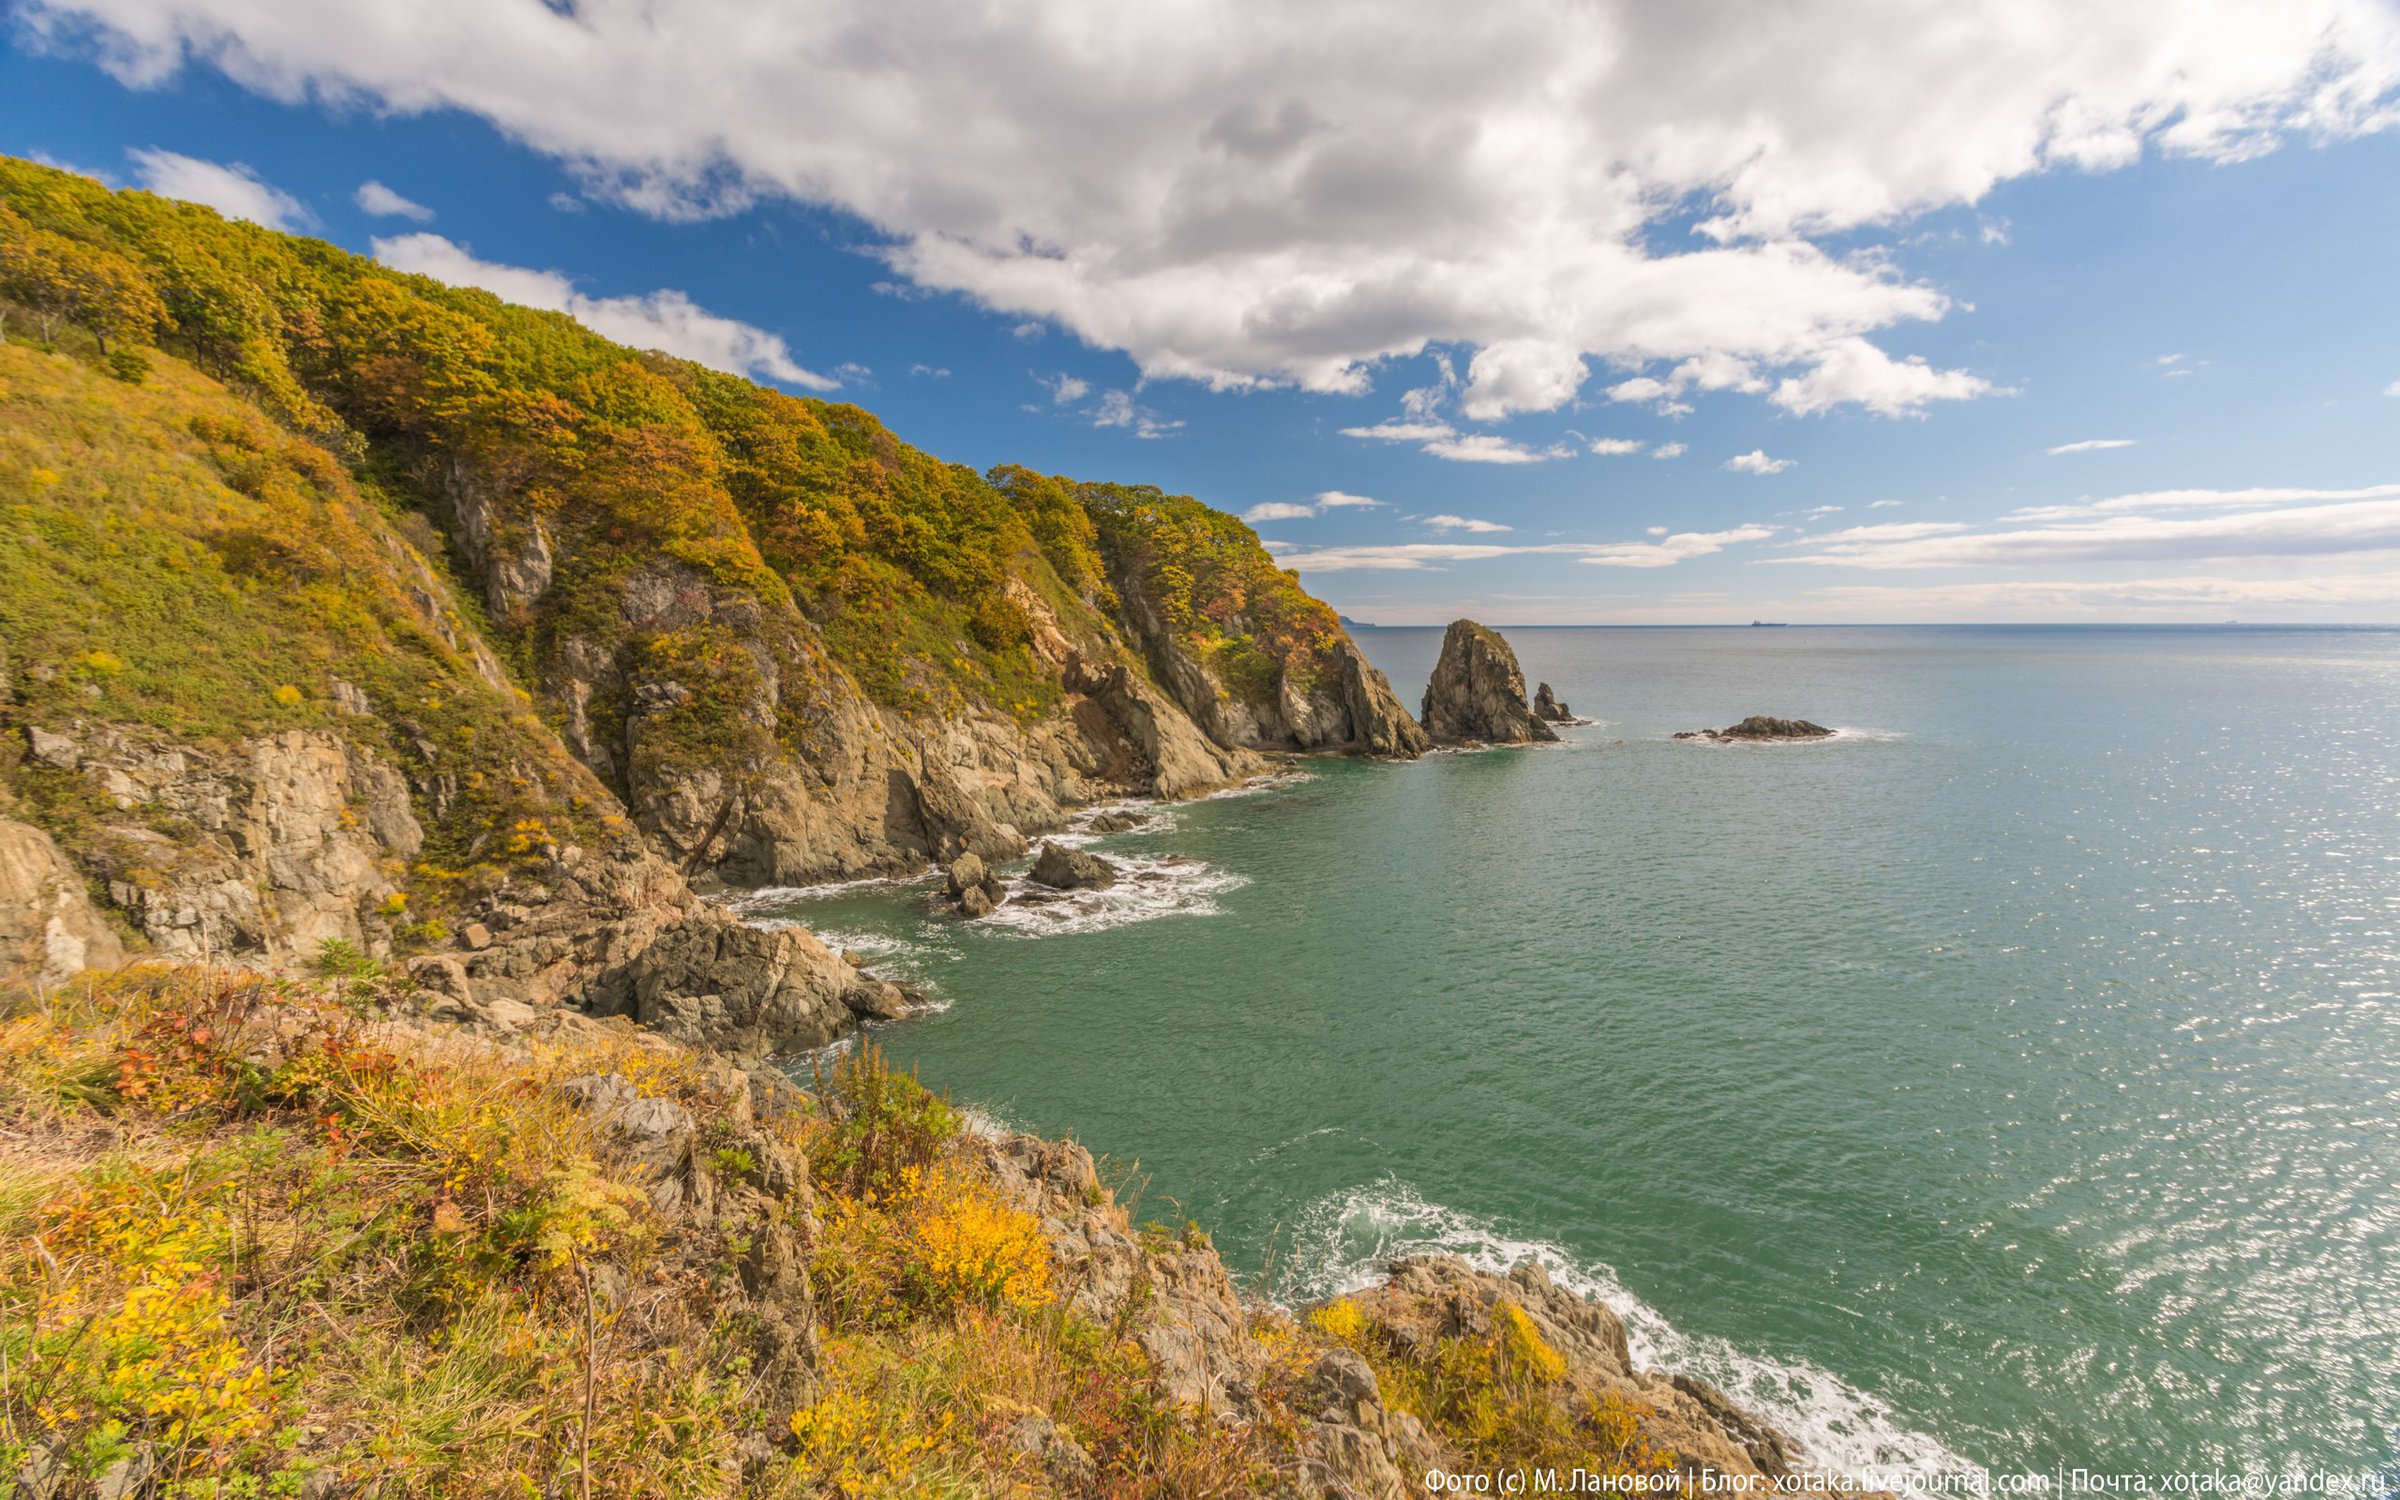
373, 197
1402, 432
1756, 462
2393, 389
1064, 389
1609, 447
1673, 548
2090, 445
1669, 450
1340, 500
1245, 195
1119, 409
666, 320
1463, 523
231, 189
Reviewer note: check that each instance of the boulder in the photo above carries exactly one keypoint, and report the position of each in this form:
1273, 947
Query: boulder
1759, 727
1065, 869
1477, 694
1109, 822
975, 886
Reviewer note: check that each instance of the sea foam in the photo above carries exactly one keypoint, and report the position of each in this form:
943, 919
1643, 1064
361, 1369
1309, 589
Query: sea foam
1341, 1241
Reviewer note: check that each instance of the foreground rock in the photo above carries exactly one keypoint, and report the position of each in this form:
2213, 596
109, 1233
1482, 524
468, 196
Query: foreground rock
1759, 727
49, 929
1065, 869
1477, 694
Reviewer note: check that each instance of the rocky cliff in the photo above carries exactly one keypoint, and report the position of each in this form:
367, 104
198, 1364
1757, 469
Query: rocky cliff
1477, 694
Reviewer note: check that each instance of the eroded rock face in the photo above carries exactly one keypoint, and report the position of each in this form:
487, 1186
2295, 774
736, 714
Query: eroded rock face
1759, 727
283, 842
49, 929
1547, 707
1477, 694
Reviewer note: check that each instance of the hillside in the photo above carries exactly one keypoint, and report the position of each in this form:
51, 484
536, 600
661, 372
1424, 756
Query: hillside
467, 589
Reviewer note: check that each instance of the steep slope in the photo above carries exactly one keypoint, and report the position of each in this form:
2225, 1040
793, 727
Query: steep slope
1249, 655
789, 644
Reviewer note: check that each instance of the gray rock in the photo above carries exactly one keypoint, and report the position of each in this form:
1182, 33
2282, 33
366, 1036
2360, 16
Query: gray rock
1477, 694
1065, 869
49, 929
1760, 728
1547, 707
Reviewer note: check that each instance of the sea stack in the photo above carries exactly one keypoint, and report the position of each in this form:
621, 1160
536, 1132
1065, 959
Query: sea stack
1547, 707
1478, 692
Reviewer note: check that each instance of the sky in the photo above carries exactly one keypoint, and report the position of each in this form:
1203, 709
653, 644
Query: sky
1539, 312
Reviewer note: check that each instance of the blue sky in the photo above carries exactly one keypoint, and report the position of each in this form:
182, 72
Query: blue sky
1839, 356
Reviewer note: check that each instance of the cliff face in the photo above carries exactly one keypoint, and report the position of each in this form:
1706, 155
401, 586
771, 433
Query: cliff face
1477, 694
1255, 661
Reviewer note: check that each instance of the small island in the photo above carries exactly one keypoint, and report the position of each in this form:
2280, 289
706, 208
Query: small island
1759, 729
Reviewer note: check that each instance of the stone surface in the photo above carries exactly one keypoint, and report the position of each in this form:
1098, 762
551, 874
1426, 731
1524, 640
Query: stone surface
1760, 728
1065, 869
1477, 694
49, 929
1547, 707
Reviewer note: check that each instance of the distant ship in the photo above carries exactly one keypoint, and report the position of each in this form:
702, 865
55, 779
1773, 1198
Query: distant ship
1769, 624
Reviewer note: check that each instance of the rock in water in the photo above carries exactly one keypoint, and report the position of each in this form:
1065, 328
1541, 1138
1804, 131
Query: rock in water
1547, 706
1760, 727
1066, 869
1478, 692
975, 886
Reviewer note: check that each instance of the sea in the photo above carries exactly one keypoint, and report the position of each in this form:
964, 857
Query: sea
2010, 1082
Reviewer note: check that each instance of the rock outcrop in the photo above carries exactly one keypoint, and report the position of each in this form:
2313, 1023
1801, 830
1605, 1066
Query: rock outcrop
1760, 728
976, 888
1065, 869
1547, 707
1477, 694
268, 848
49, 928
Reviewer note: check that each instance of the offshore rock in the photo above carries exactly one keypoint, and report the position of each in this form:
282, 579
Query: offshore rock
1065, 869
1546, 706
973, 885
1477, 694
1759, 727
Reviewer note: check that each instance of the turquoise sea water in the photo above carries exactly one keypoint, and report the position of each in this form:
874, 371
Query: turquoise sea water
2013, 1080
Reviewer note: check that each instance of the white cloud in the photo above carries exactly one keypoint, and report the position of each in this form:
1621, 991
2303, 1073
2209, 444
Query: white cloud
1241, 195
1609, 447
1464, 523
373, 197
1820, 512
1756, 462
2393, 389
1669, 450
931, 372
1669, 549
2356, 526
1657, 530
1278, 510
1339, 500
1489, 448
2090, 445
1882, 504
1402, 432
2209, 597
1065, 388
1119, 409
2196, 500
666, 320
232, 190
1674, 548
1855, 371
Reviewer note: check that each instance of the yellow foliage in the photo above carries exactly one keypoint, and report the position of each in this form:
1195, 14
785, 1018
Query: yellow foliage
1523, 1348
1341, 1321
975, 1249
287, 695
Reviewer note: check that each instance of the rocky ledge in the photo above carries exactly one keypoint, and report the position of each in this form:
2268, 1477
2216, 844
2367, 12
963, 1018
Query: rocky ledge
1759, 728
1477, 695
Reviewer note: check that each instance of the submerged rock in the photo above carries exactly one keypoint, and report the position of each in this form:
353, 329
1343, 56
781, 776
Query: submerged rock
1066, 869
1478, 692
1760, 727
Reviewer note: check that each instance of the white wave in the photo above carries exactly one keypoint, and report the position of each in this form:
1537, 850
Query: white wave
1272, 781
1341, 1241
1146, 889
1869, 736
759, 898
